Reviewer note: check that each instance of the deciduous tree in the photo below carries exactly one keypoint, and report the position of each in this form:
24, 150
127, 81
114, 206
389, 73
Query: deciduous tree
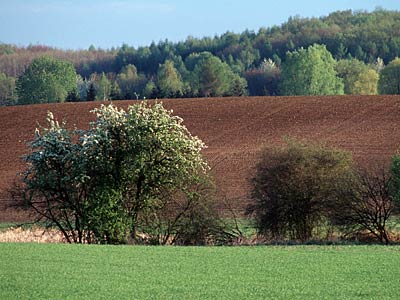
101, 184
103, 88
366, 206
7, 89
130, 82
46, 80
310, 71
357, 77
389, 80
169, 80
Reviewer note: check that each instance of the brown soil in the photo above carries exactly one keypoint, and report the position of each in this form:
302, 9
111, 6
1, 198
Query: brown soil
235, 129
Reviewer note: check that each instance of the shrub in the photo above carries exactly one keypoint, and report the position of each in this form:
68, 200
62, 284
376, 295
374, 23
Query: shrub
366, 206
293, 186
186, 218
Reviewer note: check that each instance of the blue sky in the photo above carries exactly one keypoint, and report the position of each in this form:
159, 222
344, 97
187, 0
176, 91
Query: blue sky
76, 24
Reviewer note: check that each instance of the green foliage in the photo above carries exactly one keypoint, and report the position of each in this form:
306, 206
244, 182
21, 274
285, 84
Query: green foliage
95, 184
149, 90
7, 89
131, 83
209, 77
212, 77
238, 86
358, 78
389, 80
54, 180
294, 187
363, 35
108, 221
310, 72
46, 80
367, 83
103, 88
39, 271
115, 93
169, 80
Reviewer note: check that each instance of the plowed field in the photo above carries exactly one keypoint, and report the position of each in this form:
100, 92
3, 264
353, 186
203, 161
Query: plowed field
235, 129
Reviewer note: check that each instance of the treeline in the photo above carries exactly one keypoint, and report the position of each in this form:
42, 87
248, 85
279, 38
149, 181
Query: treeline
230, 64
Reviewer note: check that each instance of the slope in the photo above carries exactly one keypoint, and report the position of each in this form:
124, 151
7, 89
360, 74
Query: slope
235, 129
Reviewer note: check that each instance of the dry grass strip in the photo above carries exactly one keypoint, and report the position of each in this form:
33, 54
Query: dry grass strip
31, 235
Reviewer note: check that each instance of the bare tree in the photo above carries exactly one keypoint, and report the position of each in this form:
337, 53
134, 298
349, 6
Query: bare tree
367, 206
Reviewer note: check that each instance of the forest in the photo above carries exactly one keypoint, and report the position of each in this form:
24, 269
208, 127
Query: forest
354, 47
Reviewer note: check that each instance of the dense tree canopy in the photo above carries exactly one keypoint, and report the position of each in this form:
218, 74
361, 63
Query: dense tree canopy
358, 78
7, 88
131, 83
212, 77
310, 71
389, 81
365, 36
46, 80
169, 80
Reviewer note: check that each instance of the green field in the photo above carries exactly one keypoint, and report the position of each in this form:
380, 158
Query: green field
59, 271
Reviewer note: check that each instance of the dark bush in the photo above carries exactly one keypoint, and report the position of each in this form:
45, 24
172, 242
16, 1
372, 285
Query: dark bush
294, 186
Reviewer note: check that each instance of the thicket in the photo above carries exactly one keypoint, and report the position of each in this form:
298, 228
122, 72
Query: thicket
300, 188
369, 38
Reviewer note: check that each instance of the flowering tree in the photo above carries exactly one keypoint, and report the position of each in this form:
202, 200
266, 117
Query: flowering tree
96, 184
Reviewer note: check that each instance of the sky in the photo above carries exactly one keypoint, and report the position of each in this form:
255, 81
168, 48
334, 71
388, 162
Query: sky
77, 24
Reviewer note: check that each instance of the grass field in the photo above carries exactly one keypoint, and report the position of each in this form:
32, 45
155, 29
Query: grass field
59, 271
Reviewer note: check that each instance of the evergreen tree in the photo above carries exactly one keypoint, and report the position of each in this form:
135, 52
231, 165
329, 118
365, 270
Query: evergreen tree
211, 77
150, 91
72, 96
91, 93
